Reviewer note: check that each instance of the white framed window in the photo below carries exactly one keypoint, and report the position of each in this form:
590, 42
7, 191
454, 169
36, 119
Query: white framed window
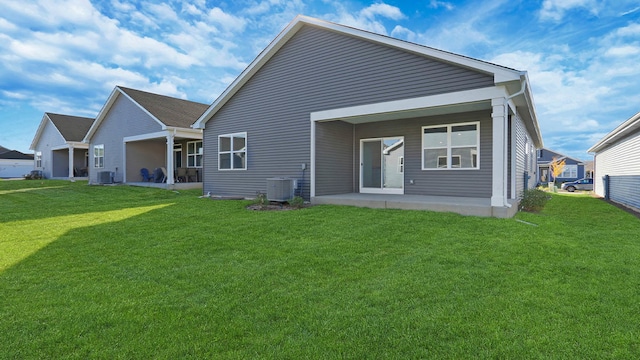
454, 146
38, 159
194, 154
569, 171
232, 151
98, 156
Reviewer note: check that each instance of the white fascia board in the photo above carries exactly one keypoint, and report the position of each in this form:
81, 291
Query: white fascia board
248, 72
78, 145
184, 132
101, 115
459, 97
623, 129
36, 137
162, 125
71, 144
501, 74
155, 135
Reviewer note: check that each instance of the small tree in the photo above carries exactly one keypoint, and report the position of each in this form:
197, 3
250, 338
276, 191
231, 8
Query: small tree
556, 167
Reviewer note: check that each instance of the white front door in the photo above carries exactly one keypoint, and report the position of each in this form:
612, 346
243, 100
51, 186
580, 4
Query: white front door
382, 165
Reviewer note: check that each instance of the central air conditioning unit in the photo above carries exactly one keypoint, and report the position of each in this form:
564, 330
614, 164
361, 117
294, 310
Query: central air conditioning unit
280, 189
105, 177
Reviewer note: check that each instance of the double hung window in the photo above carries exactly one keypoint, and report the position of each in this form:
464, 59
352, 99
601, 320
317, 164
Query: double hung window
98, 156
232, 151
194, 154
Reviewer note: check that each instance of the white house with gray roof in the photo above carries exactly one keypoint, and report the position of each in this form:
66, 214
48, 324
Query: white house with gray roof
59, 149
323, 101
137, 129
617, 164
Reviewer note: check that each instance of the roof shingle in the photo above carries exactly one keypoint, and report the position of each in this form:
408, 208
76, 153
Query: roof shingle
169, 110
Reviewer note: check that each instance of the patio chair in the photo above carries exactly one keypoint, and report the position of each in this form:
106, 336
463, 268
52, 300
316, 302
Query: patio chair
158, 175
192, 174
144, 172
181, 174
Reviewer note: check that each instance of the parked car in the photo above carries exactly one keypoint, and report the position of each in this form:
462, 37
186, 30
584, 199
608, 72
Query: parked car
581, 184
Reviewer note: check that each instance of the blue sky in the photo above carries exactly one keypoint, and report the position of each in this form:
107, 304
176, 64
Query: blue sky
66, 56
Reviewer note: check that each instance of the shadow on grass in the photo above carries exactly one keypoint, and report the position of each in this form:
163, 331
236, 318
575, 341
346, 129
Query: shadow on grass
39, 199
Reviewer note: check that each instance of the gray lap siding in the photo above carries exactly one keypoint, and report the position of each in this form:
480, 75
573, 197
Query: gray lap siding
464, 183
317, 70
123, 120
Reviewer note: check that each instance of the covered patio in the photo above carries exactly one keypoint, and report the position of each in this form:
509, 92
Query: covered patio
177, 152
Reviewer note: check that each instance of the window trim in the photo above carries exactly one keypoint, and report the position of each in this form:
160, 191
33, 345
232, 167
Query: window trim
38, 159
567, 167
232, 152
195, 154
96, 157
448, 147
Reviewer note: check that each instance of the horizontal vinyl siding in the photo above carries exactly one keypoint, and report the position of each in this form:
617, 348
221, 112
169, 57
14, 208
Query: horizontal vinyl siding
461, 183
335, 164
123, 119
49, 138
622, 163
521, 154
315, 70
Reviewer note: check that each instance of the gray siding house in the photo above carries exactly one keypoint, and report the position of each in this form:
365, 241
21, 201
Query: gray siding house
59, 149
324, 104
137, 129
574, 169
617, 158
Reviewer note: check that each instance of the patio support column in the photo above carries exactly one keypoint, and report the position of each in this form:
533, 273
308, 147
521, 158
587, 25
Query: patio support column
170, 165
71, 167
499, 150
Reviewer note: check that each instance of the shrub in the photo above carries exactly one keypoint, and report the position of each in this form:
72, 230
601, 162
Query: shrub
261, 199
533, 200
297, 202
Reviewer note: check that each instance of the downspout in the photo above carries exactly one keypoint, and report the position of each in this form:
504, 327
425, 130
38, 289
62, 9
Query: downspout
523, 87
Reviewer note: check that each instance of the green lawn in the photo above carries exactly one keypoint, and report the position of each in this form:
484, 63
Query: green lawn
133, 273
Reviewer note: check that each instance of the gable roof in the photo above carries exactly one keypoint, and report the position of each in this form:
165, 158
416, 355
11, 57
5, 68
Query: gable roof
167, 111
3, 149
71, 128
560, 157
501, 74
628, 127
14, 155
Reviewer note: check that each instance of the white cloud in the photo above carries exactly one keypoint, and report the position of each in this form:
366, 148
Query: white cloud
627, 50
7, 26
403, 33
384, 10
368, 18
556, 9
434, 4
227, 21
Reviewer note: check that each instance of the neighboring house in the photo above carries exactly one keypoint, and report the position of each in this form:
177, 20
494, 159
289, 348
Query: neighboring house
137, 129
617, 158
59, 150
574, 169
14, 164
323, 102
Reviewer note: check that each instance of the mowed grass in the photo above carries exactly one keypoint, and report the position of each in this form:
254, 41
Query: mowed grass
120, 272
